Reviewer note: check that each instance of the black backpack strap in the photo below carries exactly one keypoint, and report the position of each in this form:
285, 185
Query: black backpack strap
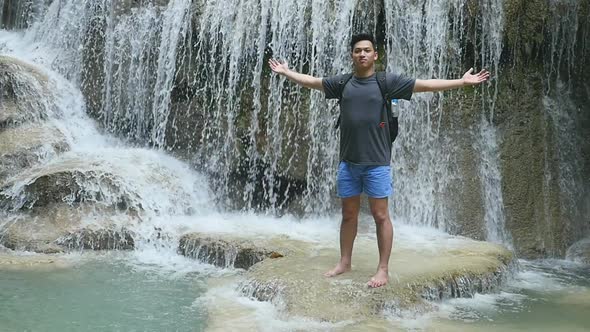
382, 82
391, 120
342, 80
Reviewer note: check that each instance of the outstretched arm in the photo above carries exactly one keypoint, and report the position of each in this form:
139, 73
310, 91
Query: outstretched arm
440, 85
307, 81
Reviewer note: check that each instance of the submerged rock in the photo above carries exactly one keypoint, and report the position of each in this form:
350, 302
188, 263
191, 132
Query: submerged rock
226, 250
39, 231
579, 252
15, 261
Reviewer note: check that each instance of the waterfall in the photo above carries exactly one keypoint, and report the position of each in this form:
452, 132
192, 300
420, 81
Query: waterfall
159, 69
99, 178
20, 14
565, 119
490, 176
487, 141
417, 47
174, 28
424, 41
191, 77
563, 33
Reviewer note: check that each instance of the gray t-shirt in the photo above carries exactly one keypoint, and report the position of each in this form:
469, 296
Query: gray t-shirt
364, 129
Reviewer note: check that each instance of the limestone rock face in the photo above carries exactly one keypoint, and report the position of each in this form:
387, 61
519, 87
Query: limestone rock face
579, 252
541, 165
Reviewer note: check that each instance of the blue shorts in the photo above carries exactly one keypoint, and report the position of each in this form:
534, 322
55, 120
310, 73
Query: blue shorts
375, 181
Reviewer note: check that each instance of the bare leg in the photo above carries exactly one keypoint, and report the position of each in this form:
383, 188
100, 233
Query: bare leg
348, 228
380, 212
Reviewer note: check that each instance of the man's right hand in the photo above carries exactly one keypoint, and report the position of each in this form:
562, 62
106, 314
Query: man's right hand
301, 79
277, 67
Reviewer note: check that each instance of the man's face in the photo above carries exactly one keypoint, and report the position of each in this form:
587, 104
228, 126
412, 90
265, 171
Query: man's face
363, 55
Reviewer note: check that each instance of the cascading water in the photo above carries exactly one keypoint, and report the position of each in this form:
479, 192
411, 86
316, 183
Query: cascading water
191, 76
487, 146
142, 185
268, 144
424, 43
20, 14
417, 47
258, 130
566, 119
488, 142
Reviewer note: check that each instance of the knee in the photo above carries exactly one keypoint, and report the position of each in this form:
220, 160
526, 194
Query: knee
381, 217
349, 217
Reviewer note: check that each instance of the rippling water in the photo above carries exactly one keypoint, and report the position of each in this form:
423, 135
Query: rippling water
147, 291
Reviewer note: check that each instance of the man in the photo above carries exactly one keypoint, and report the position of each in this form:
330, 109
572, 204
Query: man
365, 146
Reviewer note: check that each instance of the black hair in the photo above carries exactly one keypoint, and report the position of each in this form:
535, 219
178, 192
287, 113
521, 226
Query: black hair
360, 37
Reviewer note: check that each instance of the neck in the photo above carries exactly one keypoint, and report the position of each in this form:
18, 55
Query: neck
362, 73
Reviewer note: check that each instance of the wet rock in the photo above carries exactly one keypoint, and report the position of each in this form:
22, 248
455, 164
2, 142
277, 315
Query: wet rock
457, 270
37, 232
579, 252
60, 227
71, 181
225, 250
100, 239
24, 146
24, 93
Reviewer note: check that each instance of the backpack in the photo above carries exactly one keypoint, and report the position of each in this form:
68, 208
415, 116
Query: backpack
382, 83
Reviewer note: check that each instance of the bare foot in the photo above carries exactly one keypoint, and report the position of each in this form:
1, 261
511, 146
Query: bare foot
379, 279
339, 269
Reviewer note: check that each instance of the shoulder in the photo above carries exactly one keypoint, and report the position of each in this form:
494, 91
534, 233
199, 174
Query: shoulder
398, 78
338, 79
400, 86
333, 85
394, 76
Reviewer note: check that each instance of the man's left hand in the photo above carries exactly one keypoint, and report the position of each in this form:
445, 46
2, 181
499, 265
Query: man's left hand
472, 79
